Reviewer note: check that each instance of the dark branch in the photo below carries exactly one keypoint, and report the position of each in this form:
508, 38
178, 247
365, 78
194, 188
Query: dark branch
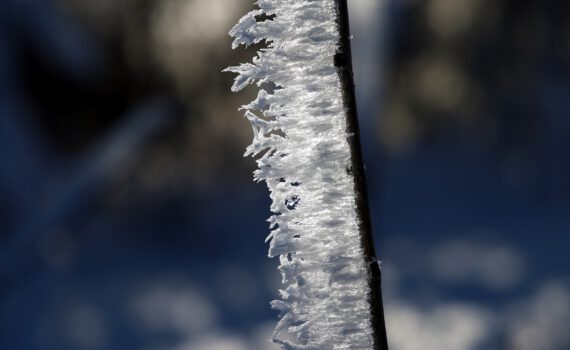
343, 61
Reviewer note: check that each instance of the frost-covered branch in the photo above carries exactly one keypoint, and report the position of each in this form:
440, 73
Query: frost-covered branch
306, 140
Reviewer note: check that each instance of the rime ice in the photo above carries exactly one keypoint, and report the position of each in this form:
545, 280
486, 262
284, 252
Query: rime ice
300, 139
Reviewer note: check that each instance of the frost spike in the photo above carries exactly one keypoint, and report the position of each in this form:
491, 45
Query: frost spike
311, 161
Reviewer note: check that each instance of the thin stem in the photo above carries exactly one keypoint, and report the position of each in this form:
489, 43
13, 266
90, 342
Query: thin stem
343, 60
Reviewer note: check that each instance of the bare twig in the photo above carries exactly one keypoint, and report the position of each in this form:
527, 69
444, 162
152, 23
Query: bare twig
343, 60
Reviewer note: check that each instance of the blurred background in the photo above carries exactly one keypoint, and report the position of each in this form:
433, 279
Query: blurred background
129, 219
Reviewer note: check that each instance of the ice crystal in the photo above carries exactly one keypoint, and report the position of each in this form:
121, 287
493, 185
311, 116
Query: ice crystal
300, 140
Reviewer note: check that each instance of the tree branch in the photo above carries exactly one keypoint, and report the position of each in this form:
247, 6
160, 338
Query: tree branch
343, 61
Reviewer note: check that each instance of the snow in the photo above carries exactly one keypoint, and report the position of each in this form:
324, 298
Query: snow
300, 142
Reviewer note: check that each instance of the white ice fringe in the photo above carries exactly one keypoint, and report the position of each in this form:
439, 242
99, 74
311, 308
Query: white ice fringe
299, 124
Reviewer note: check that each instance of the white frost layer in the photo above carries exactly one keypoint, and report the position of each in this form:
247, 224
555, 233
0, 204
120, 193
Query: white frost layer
301, 139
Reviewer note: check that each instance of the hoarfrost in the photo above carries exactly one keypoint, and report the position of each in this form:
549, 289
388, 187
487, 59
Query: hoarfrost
303, 153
